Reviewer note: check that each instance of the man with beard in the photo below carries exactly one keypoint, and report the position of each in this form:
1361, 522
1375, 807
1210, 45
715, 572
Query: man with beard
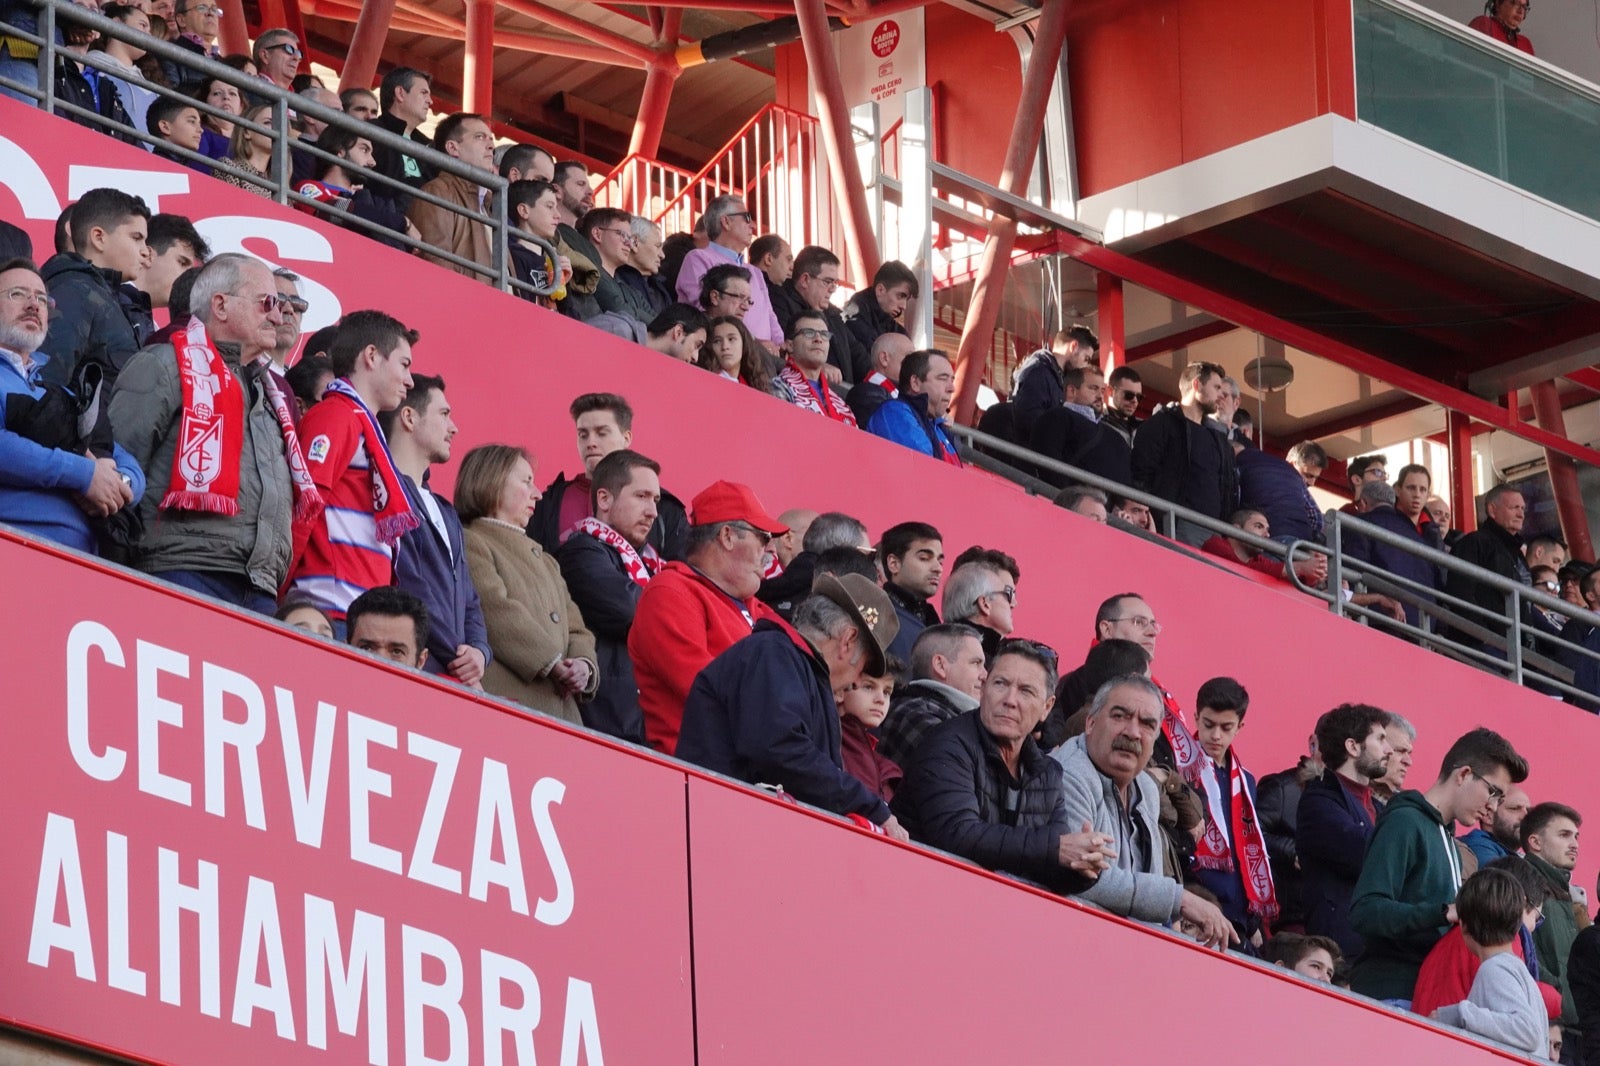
1549, 836
1498, 835
1181, 456
1336, 816
50, 490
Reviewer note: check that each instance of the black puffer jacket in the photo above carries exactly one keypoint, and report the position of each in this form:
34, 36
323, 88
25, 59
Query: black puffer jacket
89, 323
958, 796
607, 596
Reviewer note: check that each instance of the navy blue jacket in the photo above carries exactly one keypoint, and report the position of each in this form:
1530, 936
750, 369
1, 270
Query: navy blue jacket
439, 578
608, 597
1037, 388
89, 322
915, 616
1228, 885
1277, 490
1331, 838
763, 712
905, 421
1394, 560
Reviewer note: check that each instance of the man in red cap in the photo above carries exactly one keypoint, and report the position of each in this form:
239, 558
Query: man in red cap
695, 610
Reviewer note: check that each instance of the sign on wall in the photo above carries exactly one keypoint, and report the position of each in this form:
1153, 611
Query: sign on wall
882, 59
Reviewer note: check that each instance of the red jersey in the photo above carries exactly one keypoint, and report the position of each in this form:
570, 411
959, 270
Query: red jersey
343, 556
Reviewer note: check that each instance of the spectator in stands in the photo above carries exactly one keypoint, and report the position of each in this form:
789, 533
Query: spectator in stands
1496, 546
1085, 501
832, 529
1359, 471
947, 675
1311, 569
772, 255
341, 185
54, 484
15, 242
175, 247
432, 558
732, 353
216, 133
873, 312
608, 562
1179, 456
1499, 835
82, 86
532, 208
1545, 549
392, 624
611, 233
810, 287
1402, 736
527, 162
224, 528
306, 126
1278, 804
1549, 835
293, 306
466, 137
1378, 509
1337, 814
1502, 20
124, 55
1227, 405
642, 271
1131, 511
109, 228
1412, 487
1103, 774
694, 610
785, 546
309, 380
725, 290
1038, 385
1075, 434
250, 164
604, 424
679, 331
544, 655
730, 227
277, 56
882, 383
982, 595
1106, 659
1583, 970
350, 547
912, 557
1275, 487
1439, 509
1504, 1004
305, 616
1315, 958
198, 22
178, 316
1404, 900
406, 96
764, 710
360, 104
802, 381
862, 707
1244, 426
915, 418
1124, 390
1231, 855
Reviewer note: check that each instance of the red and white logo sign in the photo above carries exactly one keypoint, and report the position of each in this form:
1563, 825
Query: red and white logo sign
885, 38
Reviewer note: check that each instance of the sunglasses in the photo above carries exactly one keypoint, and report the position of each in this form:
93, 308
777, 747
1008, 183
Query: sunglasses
268, 302
287, 48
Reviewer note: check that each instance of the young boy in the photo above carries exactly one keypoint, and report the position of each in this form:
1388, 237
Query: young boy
1504, 1003
534, 208
1316, 958
177, 122
862, 708
1231, 857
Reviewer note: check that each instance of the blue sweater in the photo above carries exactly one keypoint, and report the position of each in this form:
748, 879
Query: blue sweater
1277, 489
38, 485
439, 578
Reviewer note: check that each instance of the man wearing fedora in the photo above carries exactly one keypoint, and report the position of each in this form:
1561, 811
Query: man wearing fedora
764, 710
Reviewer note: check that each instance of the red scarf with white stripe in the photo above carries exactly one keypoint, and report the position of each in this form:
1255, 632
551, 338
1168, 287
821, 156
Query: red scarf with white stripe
391, 511
1232, 819
205, 470
641, 566
878, 378
805, 398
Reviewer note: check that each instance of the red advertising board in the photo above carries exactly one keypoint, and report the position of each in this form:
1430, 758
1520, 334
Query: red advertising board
225, 843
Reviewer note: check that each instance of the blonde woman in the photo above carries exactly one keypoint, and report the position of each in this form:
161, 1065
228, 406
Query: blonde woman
251, 152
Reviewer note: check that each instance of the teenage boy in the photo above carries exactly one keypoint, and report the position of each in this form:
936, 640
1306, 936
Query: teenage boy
109, 228
1315, 958
177, 122
1504, 1004
862, 708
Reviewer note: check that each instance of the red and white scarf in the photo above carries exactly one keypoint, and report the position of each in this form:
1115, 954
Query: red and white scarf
1231, 820
878, 378
641, 566
831, 404
770, 566
391, 511
205, 470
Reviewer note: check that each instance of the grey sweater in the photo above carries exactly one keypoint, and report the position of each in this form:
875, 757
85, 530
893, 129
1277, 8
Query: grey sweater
1504, 1005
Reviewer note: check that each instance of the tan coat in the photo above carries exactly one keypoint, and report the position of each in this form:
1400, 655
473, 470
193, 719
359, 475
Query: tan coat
452, 232
533, 623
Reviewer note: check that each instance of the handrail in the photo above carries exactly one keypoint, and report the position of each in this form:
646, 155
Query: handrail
284, 102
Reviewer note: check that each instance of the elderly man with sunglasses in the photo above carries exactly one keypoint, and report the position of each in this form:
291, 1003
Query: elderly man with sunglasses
211, 428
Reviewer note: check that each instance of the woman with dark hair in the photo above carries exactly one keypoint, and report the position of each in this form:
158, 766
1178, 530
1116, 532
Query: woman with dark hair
733, 353
125, 54
217, 132
1502, 20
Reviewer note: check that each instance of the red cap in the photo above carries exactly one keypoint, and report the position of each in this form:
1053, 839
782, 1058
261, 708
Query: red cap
729, 501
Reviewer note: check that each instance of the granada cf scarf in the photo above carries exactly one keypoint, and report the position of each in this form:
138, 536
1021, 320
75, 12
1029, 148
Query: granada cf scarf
1232, 819
877, 378
641, 566
806, 398
205, 470
391, 510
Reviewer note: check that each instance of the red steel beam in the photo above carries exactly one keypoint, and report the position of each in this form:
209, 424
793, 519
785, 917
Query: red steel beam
366, 45
477, 62
234, 35
581, 27
1310, 341
1181, 339
834, 119
511, 40
1588, 377
988, 290
1112, 322
1563, 473
1463, 501
658, 81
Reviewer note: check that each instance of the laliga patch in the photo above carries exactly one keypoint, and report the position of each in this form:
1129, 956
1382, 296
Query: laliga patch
318, 450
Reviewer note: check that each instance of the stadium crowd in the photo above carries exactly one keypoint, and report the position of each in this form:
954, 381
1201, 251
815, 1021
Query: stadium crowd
289, 475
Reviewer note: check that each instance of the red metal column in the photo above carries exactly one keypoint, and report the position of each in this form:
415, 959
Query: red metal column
658, 81
834, 116
1563, 473
1113, 328
1463, 501
234, 35
984, 310
477, 66
366, 45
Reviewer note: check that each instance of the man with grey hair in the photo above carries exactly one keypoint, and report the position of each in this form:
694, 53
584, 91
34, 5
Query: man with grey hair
947, 675
1227, 406
730, 228
982, 596
277, 56
292, 307
832, 529
1107, 787
217, 518
1496, 545
764, 710
1084, 500
642, 272
311, 128
1402, 738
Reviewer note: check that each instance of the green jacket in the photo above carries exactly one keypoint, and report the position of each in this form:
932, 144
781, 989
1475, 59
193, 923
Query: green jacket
1412, 871
1554, 938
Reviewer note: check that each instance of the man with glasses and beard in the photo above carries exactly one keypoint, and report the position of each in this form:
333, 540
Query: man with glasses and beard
1124, 391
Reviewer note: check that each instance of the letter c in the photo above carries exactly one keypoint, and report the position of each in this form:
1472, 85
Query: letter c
106, 766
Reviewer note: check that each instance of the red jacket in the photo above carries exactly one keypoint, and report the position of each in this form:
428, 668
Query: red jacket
682, 622
1222, 548
859, 750
1447, 973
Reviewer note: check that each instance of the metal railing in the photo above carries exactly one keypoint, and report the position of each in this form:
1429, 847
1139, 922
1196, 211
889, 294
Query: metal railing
1503, 642
642, 186
278, 182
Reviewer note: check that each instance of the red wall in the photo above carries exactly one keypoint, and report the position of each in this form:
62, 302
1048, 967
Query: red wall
1157, 83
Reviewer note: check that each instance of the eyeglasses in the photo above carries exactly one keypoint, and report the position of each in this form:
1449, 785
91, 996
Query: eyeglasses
293, 304
1140, 621
742, 297
1496, 793
626, 237
807, 331
202, 9
831, 283
1009, 592
268, 302
288, 48
760, 534
19, 295
1553, 586
747, 216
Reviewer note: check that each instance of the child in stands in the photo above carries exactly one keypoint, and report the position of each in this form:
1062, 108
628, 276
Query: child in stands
177, 122
1316, 958
862, 708
1504, 1003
